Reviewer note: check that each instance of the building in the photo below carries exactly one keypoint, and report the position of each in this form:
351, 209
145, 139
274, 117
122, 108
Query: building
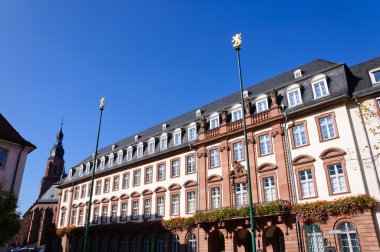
305, 141
38, 223
14, 150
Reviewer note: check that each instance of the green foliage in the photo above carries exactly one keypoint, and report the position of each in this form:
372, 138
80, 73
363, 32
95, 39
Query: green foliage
9, 219
320, 211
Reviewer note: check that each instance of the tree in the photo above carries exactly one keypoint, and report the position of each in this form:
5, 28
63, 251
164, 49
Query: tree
370, 115
9, 219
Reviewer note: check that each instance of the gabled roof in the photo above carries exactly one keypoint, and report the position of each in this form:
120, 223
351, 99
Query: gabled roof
8, 133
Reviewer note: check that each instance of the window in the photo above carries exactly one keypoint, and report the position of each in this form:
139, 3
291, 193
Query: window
319, 85
148, 175
140, 150
175, 204
337, 179
116, 183
80, 219
73, 217
104, 214
375, 76
80, 171
164, 126
175, 168
124, 209
147, 208
147, 244
299, 135
96, 215
198, 113
160, 206
215, 197
119, 157
327, 128
191, 202
106, 188
261, 103
191, 243
265, 145
192, 132
89, 190
129, 153
3, 155
297, 73
135, 210
190, 164
164, 141
76, 193
161, 172
175, 243
160, 243
125, 180
177, 136
102, 163
349, 241
151, 146
63, 216
65, 195
134, 244
110, 161
236, 113
214, 158
269, 189
238, 151
70, 174
98, 187
214, 120
314, 238
113, 212
293, 93
245, 94
306, 183
241, 194
136, 178
83, 192
88, 167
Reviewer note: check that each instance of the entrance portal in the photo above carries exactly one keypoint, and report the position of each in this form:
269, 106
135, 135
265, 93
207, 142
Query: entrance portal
216, 241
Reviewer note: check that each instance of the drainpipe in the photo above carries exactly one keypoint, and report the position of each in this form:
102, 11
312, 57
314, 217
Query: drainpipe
198, 194
292, 181
16, 169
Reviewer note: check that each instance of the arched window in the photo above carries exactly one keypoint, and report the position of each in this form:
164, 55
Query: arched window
349, 241
146, 244
175, 243
314, 238
191, 243
319, 85
160, 243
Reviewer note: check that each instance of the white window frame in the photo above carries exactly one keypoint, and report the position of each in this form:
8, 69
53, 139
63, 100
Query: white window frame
137, 178
175, 166
190, 164
325, 124
192, 132
160, 206
161, 171
372, 76
102, 163
88, 167
261, 99
238, 151
149, 174
269, 189
236, 112
96, 215
81, 171
140, 150
129, 153
177, 137
320, 78
164, 141
306, 184
265, 144
299, 135
119, 159
135, 210
80, 217
214, 158
124, 211
191, 207
214, 120
104, 214
110, 160
147, 207
125, 180
297, 73
338, 178
113, 212
215, 197
241, 198
151, 145
175, 204
295, 88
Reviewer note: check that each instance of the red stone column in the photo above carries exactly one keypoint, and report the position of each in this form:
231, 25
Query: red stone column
202, 161
252, 166
226, 194
279, 150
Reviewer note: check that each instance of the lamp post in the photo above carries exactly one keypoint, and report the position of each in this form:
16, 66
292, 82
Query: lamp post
236, 44
101, 107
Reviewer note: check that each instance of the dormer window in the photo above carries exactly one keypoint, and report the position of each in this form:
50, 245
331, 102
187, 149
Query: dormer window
137, 137
261, 103
245, 94
114, 147
88, 167
81, 170
119, 159
70, 175
236, 112
129, 153
192, 132
293, 93
198, 113
164, 126
297, 73
375, 76
102, 163
319, 85
164, 141
151, 145
177, 136
110, 160
140, 150
214, 120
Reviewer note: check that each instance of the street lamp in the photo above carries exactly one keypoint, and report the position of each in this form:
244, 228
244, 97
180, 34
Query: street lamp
101, 107
236, 44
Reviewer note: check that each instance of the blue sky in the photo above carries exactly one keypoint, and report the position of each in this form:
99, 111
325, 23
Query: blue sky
153, 60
